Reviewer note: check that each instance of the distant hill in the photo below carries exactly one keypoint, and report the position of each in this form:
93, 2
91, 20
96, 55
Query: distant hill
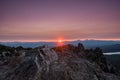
28, 44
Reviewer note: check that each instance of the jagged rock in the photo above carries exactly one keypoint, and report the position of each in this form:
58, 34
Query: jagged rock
45, 64
80, 47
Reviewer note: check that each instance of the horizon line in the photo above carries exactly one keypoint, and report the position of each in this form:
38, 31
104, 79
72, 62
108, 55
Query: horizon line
58, 40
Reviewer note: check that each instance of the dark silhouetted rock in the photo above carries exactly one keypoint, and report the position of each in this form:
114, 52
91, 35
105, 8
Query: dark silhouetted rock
43, 63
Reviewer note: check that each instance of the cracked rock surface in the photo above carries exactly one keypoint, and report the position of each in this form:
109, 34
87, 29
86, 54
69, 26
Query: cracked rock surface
50, 64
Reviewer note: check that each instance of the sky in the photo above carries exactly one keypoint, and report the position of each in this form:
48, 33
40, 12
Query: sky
50, 20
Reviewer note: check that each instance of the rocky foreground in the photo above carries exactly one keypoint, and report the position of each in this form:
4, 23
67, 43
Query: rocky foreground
60, 63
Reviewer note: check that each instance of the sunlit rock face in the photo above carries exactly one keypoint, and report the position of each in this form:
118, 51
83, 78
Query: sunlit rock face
43, 63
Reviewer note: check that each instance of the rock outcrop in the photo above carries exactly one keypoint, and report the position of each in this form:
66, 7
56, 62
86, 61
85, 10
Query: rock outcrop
43, 63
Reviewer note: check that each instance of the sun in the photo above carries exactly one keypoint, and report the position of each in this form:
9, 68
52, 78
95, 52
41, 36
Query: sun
60, 41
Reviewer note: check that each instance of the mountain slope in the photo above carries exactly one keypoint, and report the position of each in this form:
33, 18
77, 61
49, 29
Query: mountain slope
59, 63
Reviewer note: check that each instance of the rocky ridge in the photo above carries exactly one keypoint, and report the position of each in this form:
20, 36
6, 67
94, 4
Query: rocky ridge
60, 63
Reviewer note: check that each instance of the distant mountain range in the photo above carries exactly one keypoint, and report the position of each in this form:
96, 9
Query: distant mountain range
107, 46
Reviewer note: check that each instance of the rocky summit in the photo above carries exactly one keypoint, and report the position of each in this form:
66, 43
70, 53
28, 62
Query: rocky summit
65, 62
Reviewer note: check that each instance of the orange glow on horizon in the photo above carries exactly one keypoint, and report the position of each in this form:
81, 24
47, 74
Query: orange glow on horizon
60, 41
